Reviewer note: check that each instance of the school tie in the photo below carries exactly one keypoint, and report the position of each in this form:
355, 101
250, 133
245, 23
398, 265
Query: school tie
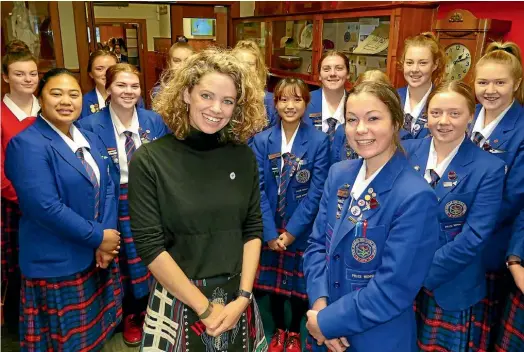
285, 177
332, 124
477, 138
130, 146
408, 120
350, 153
434, 178
92, 177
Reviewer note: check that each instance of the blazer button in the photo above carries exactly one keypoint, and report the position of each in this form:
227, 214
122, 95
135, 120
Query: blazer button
337, 257
337, 285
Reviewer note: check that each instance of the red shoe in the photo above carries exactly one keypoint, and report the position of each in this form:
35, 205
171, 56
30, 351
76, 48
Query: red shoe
293, 343
277, 341
133, 329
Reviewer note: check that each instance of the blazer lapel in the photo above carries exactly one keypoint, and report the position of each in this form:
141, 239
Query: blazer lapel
299, 147
456, 170
58, 144
376, 191
274, 148
107, 134
500, 135
419, 159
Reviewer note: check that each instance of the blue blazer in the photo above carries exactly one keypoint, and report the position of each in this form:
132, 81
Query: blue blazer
305, 188
516, 246
313, 114
422, 120
90, 104
151, 127
58, 233
371, 281
457, 275
507, 143
338, 147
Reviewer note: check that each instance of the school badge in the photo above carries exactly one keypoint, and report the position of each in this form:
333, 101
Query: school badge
363, 250
455, 209
303, 176
94, 108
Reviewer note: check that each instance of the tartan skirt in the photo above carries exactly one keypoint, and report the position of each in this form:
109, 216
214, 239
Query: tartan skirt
136, 278
444, 330
172, 326
510, 337
281, 273
78, 312
9, 238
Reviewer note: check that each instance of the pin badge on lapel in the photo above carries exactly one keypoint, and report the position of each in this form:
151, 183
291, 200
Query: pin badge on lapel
342, 195
452, 175
355, 210
448, 184
417, 168
94, 108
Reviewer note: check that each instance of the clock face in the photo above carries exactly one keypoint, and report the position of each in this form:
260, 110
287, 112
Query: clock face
459, 61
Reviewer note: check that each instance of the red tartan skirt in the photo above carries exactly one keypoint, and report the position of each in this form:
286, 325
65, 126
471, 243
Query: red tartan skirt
9, 245
281, 273
442, 330
511, 335
77, 312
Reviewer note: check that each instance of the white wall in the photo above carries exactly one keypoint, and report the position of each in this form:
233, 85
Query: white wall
135, 11
67, 30
164, 26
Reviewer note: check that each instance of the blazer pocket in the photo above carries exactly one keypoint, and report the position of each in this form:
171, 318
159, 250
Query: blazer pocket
358, 279
455, 206
365, 253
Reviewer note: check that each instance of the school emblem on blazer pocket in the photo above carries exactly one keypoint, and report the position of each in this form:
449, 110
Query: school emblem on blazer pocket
363, 250
455, 209
303, 176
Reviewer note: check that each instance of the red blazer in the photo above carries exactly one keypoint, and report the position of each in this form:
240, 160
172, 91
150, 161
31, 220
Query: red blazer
11, 126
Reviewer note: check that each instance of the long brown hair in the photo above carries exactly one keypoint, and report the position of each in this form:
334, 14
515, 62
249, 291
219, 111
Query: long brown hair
98, 53
458, 87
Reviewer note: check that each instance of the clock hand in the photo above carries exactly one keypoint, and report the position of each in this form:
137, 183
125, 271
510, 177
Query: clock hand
460, 60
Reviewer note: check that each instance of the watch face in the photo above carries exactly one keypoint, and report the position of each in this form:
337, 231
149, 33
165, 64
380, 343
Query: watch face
459, 61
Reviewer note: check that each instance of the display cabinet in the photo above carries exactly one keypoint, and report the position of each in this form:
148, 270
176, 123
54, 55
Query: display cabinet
371, 34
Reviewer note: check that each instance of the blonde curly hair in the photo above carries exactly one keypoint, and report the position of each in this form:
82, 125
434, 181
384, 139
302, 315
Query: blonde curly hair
249, 114
252, 48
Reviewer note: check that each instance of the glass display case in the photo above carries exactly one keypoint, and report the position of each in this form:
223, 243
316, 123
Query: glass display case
255, 31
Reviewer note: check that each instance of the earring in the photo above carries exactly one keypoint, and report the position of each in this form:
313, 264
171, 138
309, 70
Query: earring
187, 108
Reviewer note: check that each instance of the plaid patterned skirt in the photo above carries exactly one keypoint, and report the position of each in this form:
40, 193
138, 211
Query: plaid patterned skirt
281, 273
136, 278
510, 337
444, 330
77, 312
172, 326
9, 245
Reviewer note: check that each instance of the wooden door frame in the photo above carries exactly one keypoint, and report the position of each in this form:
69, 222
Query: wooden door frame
143, 50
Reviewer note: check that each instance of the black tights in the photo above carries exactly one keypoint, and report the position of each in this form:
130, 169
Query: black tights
298, 310
132, 305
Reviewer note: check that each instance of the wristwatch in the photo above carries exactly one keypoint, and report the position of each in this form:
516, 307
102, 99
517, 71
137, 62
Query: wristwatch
245, 294
513, 262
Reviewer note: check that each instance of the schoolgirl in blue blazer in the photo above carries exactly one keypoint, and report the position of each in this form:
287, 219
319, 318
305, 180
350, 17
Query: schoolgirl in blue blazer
374, 236
469, 184
334, 72
498, 129
123, 129
95, 100
424, 64
293, 160
60, 174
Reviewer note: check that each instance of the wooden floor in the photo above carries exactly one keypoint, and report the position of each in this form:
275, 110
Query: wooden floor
116, 344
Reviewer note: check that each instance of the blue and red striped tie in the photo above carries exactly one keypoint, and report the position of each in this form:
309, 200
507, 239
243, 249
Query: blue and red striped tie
130, 146
285, 177
92, 177
434, 178
477, 138
332, 124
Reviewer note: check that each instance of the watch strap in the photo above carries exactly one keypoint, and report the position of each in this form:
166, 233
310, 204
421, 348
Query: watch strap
245, 294
207, 312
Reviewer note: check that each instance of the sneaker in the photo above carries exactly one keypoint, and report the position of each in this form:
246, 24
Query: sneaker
293, 342
133, 329
277, 341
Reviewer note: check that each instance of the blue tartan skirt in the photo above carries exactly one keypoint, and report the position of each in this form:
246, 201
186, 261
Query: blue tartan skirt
78, 312
444, 330
9, 238
136, 278
510, 337
281, 273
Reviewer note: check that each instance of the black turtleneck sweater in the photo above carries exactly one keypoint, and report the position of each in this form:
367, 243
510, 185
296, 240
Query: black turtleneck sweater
198, 199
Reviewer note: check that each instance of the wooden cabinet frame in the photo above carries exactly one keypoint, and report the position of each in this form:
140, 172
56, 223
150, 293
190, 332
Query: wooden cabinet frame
407, 18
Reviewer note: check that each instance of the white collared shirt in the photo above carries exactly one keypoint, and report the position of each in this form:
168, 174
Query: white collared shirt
19, 113
101, 100
78, 141
433, 164
326, 113
286, 147
415, 112
121, 141
488, 129
361, 183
